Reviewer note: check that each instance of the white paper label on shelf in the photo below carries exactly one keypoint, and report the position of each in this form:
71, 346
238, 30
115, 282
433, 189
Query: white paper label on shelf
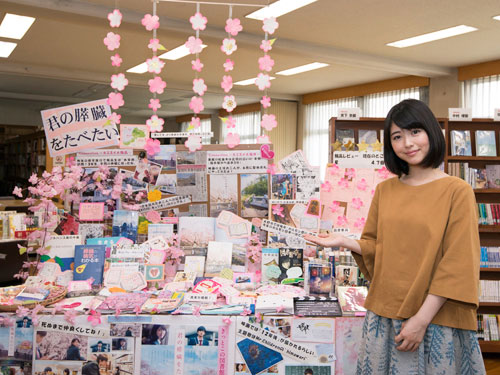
496, 115
349, 113
460, 114
180, 134
359, 159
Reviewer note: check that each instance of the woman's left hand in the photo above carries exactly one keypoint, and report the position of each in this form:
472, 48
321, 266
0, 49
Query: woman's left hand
411, 335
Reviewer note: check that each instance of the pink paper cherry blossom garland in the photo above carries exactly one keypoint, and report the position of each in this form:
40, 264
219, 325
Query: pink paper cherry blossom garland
233, 27
118, 81
195, 46
156, 84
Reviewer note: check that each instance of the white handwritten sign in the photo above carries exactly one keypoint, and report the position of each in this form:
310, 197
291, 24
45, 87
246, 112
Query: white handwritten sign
180, 134
274, 227
110, 161
359, 159
165, 203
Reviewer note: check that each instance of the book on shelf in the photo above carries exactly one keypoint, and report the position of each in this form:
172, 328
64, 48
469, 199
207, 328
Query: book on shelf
489, 290
475, 177
489, 213
493, 176
487, 327
460, 143
490, 257
485, 143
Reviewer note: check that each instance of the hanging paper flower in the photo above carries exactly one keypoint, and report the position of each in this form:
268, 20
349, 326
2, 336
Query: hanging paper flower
228, 65
268, 122
233, 26
267, 45
150, 22
265, 101
155, 124
195, 122
116, 60
263, 139
197, 65
334, 206
155, 65
196, 104
230, 122
266, 63
270, 25
112, 41
229, 103
154, 195
341, 221
115, 18
227, 83
278, 210
360, 223
118, 81
115, 100
154, 104
228, 46
357, 203
94, 318
193, 143
152, 146
194, 45
157, 85
199, 86
326, 186
232, 140
115, 118
198, 21
154, 44
272, 169
263, 81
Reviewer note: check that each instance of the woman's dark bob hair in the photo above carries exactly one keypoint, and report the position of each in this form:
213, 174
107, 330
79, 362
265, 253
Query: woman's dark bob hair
413, 114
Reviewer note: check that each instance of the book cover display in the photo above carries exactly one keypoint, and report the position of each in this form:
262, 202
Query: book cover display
89, 263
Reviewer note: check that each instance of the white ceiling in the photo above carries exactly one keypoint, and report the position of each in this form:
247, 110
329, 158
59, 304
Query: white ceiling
62, 60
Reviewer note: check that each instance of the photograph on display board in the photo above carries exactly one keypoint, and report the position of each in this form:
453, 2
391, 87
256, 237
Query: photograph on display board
23, 343
258, 357
101, 364
125, 224
167, 183
147, 171
281, 326
254, 190
155, 334
128, 179
125, 344
196, 232
9, 366
223, 194
60, 346
282, 186
348, 333
122, 364
99, 345
4, 341
133, 136
308, 370
166, 157
125, 329
58, 368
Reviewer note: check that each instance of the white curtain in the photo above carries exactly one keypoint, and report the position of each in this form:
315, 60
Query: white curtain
482, 95
378, 105
247, 127
205, 126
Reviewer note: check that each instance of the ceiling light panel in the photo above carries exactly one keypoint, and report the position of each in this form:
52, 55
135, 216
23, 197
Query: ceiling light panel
302, 69
177, 53
430, 37
139, 69
250, 81
279, 8
14, 26
6, 48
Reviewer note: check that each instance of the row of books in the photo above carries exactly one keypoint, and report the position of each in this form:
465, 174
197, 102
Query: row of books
489, 291
490, 257
489, 213
461, 143
477, 178
487, 327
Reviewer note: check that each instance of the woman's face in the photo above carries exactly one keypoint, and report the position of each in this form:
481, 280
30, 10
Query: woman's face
160, 332
410, 145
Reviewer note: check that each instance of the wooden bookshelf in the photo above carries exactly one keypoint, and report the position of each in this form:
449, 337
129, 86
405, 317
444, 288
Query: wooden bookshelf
489, 346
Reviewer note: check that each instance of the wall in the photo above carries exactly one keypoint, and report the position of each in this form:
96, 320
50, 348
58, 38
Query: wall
284, 136
444, 93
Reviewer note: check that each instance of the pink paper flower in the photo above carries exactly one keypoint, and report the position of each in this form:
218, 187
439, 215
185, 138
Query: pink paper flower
341, 221
270, 25
265, 101
199, 86
115, 118
150, 22
153, 216
21, 311
112, 41
233, 26
228, 46
232, 140
155, 65
360, 223
137, 309
229, 103
194, 45
198, 21
246, 312
193, 143
384, 173
362, 185
154, 104
268, 122
115, 100
228, 65
343, 183
227, 320
116, 60
118, 81
70, 315
196, 310
263, 81
115, 18
334, 169
334, 206
195, 122
278, 210
266, 45
94, 318
197, 65
272, 169
266, 63
230, 122
18, 192
357, 203
263, 139
154, 44
152, 146
280, 309
157, 85
33, 179
350, 173
155, 123
196, 104
326, 186
227, 83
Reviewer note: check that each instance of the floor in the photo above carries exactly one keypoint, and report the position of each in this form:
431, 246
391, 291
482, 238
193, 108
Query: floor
492, 364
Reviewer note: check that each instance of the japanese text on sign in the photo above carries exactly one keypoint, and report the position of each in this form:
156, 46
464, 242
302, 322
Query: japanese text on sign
274, 227
165, 203
180, 134
232, 162
70, 328
460, 114
110, 161
359, 159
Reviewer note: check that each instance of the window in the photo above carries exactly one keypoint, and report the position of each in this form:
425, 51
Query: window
205, 127
482, 95
247, 127
379, 104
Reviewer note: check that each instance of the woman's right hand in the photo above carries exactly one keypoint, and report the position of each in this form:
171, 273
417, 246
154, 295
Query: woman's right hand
326, 240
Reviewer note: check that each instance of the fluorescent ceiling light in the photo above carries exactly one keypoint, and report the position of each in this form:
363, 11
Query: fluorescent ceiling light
302, 69
177, 53
6, 48
139, 69
250, 81
496, 18
425, 38
14, 26
278, 9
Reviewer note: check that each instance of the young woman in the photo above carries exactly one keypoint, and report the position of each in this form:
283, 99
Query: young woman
420, 249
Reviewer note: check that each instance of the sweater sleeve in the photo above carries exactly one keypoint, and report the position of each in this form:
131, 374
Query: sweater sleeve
366, 260
457, 273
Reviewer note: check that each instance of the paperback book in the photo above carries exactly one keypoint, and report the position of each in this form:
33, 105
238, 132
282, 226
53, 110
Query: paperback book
460, 143
89, 263
485, 143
